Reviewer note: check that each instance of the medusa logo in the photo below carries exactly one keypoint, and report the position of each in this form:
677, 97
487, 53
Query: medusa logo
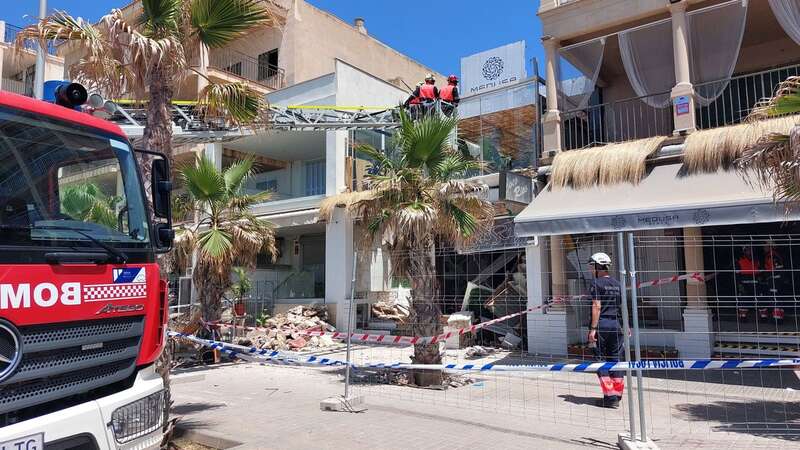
493, 68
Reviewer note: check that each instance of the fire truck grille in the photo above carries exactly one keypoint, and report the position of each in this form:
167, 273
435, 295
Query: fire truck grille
69, 360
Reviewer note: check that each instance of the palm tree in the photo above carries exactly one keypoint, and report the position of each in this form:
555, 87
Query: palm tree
227, 235
774, 161
417, 198
149, 57
86, 202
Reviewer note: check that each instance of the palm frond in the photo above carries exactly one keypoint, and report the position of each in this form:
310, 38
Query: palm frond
161, 18
236, 174
203, 181
218, 22
236, 102
215, 244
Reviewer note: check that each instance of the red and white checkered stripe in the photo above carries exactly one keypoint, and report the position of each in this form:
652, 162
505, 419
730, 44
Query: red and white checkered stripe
121, 291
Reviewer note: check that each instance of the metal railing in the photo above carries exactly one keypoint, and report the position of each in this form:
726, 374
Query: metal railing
16, 86
11, 35
247, 67
739, 95
633, 118
617, 121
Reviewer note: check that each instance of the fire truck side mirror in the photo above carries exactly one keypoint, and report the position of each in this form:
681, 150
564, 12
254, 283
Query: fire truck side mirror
162, 189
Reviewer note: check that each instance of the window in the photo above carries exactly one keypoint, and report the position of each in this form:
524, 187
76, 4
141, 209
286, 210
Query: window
315, 177
267, 64
267, 186
64, 186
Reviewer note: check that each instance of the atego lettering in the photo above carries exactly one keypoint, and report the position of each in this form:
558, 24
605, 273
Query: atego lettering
44, 295
109, 308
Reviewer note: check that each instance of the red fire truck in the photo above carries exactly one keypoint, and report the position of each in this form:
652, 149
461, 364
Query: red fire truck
82, 306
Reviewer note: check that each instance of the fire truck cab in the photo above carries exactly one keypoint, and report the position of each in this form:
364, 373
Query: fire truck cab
82, 306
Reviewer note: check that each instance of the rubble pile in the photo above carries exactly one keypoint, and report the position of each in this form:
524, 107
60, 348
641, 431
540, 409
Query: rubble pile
282, 332
384, 310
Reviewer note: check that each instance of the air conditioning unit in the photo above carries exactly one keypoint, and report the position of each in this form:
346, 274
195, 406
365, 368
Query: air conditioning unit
184, 291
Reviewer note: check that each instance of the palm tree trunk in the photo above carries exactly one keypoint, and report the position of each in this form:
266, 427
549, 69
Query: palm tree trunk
425, 313
157, 134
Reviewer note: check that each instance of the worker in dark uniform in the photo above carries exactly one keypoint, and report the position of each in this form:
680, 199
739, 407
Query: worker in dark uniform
449, 95
606, 327
774, 282
412, 104
427, 94
747, 282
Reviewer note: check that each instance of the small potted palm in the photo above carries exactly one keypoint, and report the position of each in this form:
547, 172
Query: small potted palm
240, 288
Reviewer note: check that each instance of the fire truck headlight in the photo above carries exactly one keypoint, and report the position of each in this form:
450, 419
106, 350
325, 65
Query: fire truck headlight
139, 418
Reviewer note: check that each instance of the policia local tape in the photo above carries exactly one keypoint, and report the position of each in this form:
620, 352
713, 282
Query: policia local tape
275, 356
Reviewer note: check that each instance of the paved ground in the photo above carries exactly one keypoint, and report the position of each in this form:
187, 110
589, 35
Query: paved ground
269, 407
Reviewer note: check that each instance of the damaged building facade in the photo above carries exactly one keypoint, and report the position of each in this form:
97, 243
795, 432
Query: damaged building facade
645, 108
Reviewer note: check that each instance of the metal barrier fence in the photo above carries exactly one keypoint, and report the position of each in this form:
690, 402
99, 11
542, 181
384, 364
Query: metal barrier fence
671, 320
702, 371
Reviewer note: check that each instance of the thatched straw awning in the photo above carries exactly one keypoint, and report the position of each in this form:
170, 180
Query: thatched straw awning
710, 150
609, 164
666, 197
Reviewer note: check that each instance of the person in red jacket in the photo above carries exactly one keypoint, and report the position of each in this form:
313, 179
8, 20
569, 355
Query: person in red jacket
747, 272
449, 95
774, 280
412, 104
427, 94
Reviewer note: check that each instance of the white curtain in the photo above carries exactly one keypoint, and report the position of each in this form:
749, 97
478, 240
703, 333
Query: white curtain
788, 14
578, 69
715, 37
647, 57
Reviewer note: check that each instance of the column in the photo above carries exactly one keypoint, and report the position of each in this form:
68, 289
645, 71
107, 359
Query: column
202, 68
697, 339
213, 152
682, 94
335, 162
339, 264
551, 123
547, 330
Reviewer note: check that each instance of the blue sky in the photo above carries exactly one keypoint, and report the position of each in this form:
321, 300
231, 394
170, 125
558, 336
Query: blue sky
434, 33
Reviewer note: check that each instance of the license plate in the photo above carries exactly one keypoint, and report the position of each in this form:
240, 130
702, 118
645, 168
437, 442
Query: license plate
32, 442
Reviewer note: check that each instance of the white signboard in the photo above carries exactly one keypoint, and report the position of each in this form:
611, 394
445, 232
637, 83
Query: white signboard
501, 66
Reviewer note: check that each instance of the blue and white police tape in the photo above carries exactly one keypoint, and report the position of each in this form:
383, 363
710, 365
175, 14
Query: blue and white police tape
262, 355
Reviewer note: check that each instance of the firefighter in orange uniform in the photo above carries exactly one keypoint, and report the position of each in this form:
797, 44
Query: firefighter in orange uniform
774, 281
747, 283
449, 95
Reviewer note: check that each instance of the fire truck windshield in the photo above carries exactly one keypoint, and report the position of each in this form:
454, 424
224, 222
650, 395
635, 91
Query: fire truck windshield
63, 185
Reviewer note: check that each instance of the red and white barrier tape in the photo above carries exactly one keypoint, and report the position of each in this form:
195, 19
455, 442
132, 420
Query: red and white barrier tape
696, 276
412, 340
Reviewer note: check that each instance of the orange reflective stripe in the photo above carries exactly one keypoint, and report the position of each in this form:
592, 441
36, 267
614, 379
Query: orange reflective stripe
426, 92
446, 93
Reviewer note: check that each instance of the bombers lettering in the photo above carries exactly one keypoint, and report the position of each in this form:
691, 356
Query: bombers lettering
45, 295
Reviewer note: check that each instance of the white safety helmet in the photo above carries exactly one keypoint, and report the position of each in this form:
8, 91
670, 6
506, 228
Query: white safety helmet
600, 259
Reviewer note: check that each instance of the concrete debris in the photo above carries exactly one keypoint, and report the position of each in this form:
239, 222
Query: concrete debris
390, 311
477, 351
282, 332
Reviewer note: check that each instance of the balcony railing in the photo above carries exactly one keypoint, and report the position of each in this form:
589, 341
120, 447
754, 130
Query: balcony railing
247, 67
11, 35
634, 118
617, 121
739, 96
17, 87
